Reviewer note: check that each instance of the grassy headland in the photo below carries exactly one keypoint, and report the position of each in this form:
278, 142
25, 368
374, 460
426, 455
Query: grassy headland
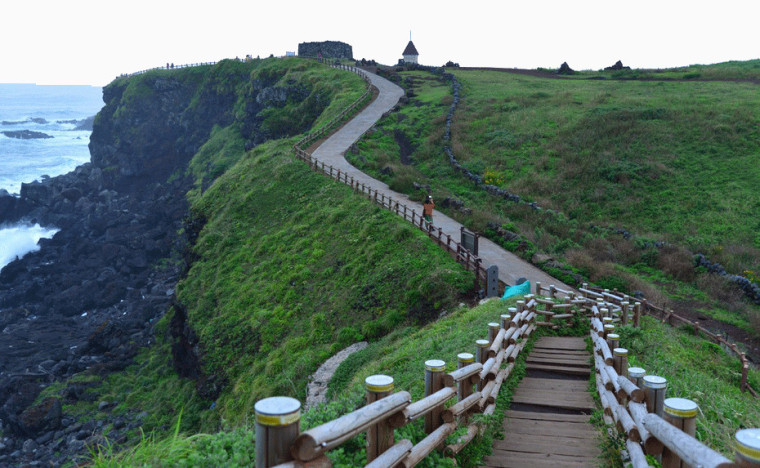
619, 167
288, 266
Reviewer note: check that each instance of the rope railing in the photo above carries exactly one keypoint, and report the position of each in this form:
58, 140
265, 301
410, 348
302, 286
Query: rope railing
635, 403
474, 385
462, 255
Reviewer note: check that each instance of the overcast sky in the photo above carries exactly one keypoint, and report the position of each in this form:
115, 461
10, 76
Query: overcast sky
92, 41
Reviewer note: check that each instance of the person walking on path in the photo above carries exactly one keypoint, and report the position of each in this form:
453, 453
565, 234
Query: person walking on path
427, 210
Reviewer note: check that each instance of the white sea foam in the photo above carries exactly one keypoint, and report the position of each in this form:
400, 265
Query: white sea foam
17, 241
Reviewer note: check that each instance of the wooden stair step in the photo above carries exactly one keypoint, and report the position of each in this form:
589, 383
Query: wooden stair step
560, 369
557, 417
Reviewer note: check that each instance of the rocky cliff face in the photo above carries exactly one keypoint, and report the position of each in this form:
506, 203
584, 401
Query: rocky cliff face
88, 299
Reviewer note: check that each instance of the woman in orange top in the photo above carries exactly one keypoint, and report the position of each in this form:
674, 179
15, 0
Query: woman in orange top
427, 209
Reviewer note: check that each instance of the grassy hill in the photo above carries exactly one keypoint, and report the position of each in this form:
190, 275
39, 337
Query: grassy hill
634, 176
288, 267
285, 268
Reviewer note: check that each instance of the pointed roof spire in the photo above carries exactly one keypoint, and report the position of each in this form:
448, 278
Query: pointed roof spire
410, 49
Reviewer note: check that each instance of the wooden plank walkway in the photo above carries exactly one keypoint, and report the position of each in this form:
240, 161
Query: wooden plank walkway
548, 424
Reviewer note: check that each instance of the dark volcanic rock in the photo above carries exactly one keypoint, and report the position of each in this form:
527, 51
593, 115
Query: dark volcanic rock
43, 417
26, 134
85, 124
565, 69
618, 66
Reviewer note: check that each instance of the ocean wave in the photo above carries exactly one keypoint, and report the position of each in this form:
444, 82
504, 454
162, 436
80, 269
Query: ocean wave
17, 241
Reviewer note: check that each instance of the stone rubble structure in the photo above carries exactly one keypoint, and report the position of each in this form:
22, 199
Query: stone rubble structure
331, 49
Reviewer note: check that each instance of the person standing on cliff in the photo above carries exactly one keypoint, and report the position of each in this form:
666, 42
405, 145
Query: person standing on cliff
427, 210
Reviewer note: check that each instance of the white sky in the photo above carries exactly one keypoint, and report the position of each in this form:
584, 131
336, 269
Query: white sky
92, 41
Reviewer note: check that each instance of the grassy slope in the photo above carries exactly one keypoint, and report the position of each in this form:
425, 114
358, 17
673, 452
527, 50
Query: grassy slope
670, 158
397, 354
666, 160
694, 368
291, 267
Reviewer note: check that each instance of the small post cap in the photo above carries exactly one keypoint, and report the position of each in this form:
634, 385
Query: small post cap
493, 325
636, 372
655, 382
482, 343
277, 411
619, 351
748, 444
379, 383
466, 357
680, 407
435, 365
512, 310
613, 336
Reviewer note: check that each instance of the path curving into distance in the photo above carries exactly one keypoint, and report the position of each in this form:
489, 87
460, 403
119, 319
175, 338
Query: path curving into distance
332, 151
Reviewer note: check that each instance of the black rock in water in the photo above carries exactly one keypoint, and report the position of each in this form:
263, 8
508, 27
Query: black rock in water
26, 135
85, 124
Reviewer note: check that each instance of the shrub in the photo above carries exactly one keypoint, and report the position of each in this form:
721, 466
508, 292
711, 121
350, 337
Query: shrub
676, 262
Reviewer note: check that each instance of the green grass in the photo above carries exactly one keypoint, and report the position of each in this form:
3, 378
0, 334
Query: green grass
666, 160
700, 371
734, 70
293, 267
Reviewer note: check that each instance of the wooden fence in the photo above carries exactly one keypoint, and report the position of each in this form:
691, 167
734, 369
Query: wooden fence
462, 255
474, 385
635, 403
616, 300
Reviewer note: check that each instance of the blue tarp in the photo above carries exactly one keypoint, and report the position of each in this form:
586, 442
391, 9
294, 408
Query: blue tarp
519, 290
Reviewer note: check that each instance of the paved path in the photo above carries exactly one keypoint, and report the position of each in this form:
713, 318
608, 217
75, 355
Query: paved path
548, 424
332, 150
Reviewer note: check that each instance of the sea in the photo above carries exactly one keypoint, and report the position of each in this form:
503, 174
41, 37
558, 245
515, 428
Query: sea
53, 110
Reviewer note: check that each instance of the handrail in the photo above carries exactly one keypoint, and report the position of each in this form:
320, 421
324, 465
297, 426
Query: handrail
616, 300
621, 397
394, 410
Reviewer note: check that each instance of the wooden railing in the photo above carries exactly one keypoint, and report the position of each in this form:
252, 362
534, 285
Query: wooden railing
170, 67
462, 255
616, 300
634, 402
281, 445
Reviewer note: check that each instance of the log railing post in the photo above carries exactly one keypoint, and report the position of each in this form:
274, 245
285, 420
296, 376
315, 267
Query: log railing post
681, 413
538, 288
747, 446
434, 381
620, 361
613, 341
278, 424
504, 320
493, 330
380, 435
636, 375
482, 350
655, 388
608, 329
624, 313
636, 314
464, 386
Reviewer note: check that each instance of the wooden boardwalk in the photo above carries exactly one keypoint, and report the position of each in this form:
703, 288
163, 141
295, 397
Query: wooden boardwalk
548, 422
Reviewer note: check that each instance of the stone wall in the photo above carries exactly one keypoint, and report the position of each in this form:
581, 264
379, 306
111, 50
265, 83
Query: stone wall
332, 49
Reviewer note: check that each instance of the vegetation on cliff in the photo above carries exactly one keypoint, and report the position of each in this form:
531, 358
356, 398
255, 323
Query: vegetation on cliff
286, 266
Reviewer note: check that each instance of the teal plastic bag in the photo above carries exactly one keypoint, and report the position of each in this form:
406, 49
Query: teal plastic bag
519, 290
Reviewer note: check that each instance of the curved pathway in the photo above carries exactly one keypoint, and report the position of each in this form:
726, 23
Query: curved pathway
331, 151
